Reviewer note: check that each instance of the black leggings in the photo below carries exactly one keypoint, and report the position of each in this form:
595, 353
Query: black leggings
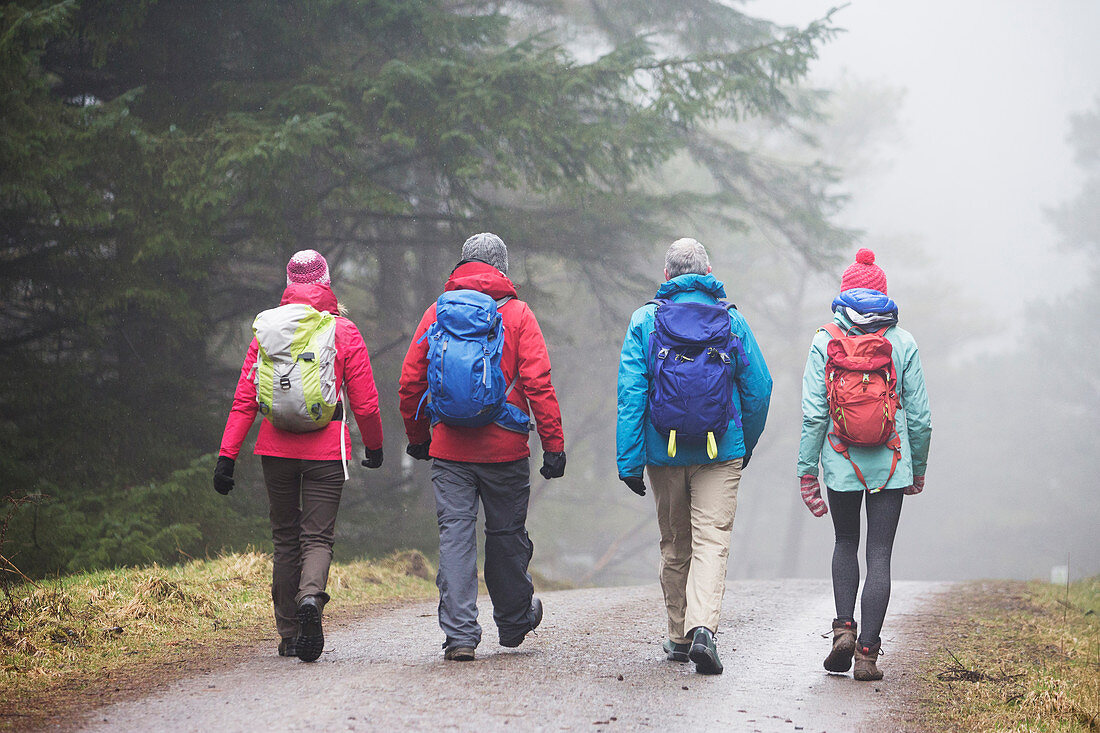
883, 512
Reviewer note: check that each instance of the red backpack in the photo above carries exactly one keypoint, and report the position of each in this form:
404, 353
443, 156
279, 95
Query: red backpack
861, 391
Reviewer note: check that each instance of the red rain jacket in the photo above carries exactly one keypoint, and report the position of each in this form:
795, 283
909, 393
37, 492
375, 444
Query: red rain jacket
524, 351
353, 371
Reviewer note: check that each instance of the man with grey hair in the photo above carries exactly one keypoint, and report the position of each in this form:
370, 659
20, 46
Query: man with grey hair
693, 397
482, 455
685, 256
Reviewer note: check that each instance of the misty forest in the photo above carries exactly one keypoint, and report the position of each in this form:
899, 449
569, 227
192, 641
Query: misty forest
160, 162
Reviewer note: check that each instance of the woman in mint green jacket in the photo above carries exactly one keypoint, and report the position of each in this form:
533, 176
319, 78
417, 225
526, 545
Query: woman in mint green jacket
863, 307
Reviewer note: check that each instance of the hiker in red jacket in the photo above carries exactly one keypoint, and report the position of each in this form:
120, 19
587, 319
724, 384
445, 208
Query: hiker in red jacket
305, 471
490, 462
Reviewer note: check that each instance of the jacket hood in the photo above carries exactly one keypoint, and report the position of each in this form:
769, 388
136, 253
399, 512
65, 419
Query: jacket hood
864, 309
708, 284
866, 301
482, 278
320, 297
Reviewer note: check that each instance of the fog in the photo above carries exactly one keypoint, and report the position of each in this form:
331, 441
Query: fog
978, 155
950, 127
961, 140
956, 207
981, 133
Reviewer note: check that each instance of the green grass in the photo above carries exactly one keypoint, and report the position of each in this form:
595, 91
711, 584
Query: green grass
1018, 657
79, 637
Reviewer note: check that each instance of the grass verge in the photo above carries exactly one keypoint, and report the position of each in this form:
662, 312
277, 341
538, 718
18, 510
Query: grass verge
75, 642
1017, 657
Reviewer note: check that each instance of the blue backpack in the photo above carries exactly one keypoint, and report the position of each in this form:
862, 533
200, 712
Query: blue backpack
466, 386
691, 363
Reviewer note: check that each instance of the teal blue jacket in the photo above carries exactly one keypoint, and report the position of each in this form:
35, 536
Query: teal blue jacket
637, 442
913, 421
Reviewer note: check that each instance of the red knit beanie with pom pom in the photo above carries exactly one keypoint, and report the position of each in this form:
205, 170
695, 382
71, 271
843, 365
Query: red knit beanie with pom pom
864, 273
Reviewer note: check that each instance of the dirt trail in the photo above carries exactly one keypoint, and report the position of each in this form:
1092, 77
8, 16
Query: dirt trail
594, 664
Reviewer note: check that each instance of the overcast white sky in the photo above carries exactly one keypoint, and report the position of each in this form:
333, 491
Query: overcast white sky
989, 90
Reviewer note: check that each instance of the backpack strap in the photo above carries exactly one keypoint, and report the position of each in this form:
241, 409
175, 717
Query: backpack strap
894, 444
343, 429
515, 379
833, 330
736, 342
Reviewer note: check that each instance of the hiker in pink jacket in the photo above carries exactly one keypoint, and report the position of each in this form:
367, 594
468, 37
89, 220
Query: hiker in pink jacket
305, 471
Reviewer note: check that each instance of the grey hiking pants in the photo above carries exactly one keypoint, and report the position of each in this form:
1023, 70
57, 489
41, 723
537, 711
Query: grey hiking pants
303, 497
504, 490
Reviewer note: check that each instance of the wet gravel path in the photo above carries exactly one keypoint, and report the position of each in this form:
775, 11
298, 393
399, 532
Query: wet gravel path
595, 664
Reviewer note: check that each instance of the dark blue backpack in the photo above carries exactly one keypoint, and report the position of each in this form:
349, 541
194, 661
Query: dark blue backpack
466, 386
691, 363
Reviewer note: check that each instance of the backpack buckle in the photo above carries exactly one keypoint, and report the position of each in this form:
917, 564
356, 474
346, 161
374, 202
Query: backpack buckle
662, 353
284, 382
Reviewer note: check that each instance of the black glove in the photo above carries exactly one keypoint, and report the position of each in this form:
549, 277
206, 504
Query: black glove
745, 460
553, 464
373, 459
634, 483
223, 475
419, 451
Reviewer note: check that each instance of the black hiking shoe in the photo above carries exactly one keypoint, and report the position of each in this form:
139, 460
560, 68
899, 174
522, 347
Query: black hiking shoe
459, 654
676, 652
704, 653
844, 646
536, 611
311, 638
288, 646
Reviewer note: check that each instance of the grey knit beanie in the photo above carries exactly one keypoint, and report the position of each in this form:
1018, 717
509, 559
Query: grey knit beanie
489, 248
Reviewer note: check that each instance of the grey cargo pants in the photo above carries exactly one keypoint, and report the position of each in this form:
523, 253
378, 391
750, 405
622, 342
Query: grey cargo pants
504, 490
303, 497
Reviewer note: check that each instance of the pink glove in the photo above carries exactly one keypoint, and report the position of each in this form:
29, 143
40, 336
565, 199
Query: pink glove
811, 494
917, 487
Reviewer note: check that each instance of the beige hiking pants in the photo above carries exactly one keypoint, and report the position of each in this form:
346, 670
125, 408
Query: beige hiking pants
695, 508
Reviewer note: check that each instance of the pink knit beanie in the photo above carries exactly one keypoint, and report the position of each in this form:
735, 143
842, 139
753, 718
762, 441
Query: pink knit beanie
307, 267
864, 273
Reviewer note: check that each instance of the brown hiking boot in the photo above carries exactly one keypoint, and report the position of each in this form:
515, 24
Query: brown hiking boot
844, 645
866, 670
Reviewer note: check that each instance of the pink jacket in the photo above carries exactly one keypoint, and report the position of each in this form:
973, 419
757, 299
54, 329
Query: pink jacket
353, 372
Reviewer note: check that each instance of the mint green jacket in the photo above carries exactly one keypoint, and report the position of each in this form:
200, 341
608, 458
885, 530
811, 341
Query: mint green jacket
913, 421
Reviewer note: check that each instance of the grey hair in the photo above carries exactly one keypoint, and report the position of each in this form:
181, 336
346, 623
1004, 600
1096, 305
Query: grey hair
685, 256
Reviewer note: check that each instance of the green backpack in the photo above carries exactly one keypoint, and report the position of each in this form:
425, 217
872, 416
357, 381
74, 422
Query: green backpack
295, 371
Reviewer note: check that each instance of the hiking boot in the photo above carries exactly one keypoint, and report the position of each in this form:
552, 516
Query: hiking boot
311, 638
459, 654
536, 611
676, 652
844, 645
866, 670
288, 646
704, 653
